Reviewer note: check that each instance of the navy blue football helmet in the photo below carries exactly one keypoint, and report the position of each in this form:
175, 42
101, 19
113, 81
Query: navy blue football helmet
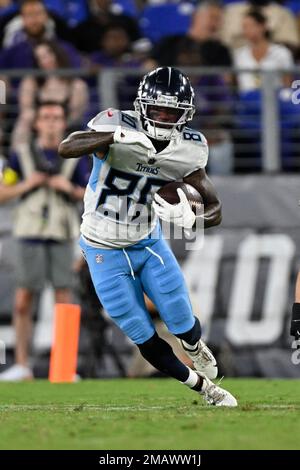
169, 90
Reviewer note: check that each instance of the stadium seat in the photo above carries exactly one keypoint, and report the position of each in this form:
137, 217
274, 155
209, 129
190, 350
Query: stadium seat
290, 130
248, 109
73, 11
247, 130
158, 21
227, 2
125, 7
248, 118
294, 6
8, 10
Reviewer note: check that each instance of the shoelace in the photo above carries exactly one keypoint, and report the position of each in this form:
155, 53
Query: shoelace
213, 394
206, 354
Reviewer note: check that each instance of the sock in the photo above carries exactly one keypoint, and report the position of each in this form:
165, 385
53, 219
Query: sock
190, 347
192, 379
200, 386
160, 354
190, 338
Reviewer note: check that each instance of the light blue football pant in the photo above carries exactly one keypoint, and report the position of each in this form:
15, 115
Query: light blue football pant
122, 276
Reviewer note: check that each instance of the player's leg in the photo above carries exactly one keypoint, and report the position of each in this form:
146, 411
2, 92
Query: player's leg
119, 292
60, 257
23, 326
160, 354
30, 277
164, 283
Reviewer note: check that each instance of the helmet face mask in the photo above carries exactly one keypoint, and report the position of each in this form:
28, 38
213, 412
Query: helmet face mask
164, 103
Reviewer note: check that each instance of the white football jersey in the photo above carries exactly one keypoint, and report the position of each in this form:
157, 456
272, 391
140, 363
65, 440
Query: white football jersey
118, 197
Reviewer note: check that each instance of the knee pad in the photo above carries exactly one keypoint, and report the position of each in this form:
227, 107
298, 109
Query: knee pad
177, 314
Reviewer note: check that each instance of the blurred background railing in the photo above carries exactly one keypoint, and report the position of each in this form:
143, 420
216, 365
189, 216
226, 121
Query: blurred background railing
255, 130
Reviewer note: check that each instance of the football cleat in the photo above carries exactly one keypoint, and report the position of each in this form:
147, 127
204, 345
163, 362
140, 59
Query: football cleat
202, 358
215, 395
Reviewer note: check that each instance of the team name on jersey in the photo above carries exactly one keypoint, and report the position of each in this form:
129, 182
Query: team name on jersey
147, 169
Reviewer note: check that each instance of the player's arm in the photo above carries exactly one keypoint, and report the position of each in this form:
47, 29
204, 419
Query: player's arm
86, 142
82, 143
212, 204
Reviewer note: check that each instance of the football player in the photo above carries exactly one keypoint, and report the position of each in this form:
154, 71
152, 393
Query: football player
134, 154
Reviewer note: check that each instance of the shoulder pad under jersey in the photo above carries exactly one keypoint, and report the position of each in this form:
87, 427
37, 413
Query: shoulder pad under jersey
110, 119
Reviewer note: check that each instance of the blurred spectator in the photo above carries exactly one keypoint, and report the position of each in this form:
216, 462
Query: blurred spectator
214, 115
201, 47
281, 23
207, 21
88, 34
46, 222
204, 30
116, 51
71, 92
32, 20
115, 47
260, 52
8, 10
36, 25
213, 103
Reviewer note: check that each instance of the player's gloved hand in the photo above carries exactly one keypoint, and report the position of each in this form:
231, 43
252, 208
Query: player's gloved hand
295, 321
125, 136
180, 214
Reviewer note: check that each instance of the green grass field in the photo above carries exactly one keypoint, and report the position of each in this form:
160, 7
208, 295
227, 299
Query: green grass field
148, 414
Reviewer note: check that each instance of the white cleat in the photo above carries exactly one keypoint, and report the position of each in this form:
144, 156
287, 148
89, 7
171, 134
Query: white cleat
203, 359
215, 395
16, 373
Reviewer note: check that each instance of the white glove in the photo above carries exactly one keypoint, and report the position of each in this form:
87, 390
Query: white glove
180, 214
125, 136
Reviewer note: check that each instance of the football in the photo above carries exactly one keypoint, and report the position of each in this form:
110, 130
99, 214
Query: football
169, 194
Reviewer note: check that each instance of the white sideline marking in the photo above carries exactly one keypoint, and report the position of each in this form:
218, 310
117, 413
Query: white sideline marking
79, 407
86, 407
